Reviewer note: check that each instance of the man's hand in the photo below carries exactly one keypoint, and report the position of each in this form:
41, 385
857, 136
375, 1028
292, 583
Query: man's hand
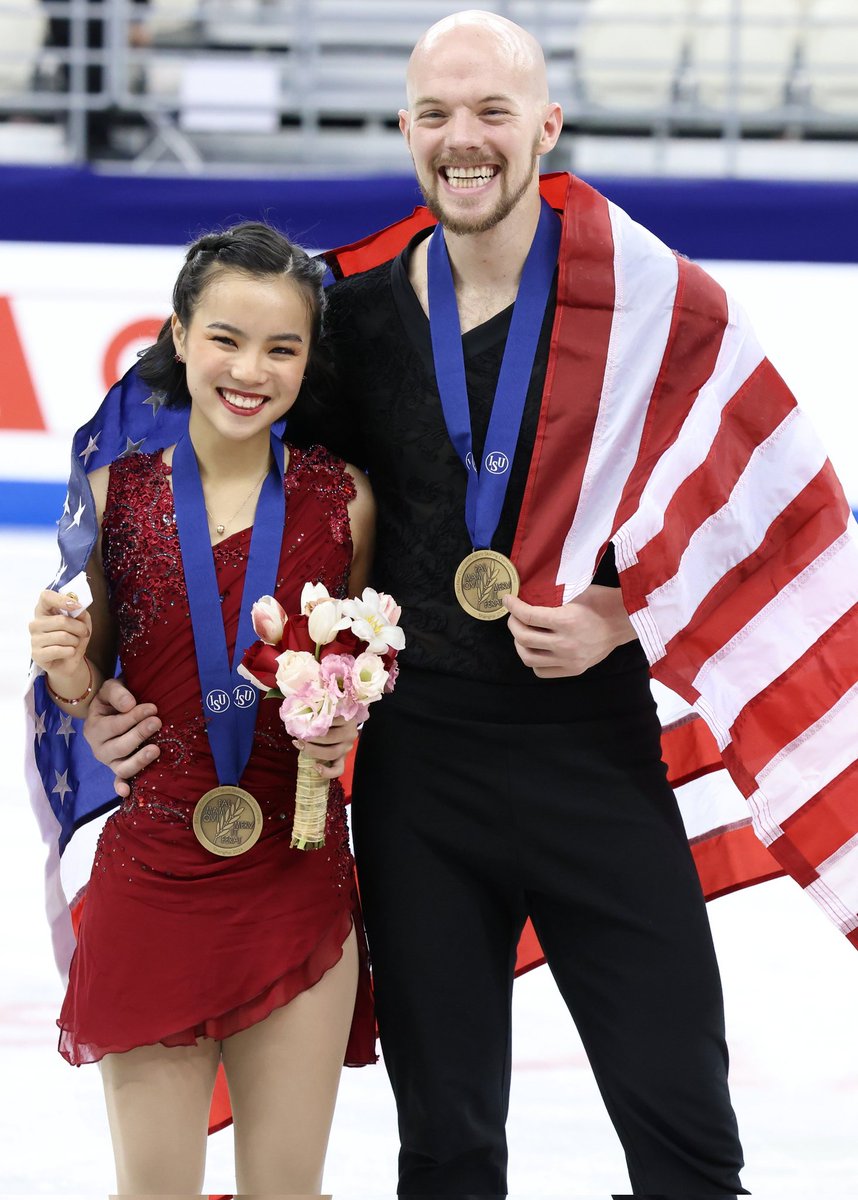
116, 728
331, 749
569, 639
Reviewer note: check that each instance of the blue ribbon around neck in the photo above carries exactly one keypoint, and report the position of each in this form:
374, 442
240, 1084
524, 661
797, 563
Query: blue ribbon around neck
229, 701
487, 484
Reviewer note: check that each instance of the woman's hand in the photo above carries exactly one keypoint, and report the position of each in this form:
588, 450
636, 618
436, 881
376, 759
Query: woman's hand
331, 749
58, 643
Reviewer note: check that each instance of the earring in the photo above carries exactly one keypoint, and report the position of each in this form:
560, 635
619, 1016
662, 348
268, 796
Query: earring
178, 358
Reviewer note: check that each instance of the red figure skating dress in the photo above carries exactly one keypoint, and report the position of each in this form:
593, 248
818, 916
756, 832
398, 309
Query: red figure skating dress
175, 942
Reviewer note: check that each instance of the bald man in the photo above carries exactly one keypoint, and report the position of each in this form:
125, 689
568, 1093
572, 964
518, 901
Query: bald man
516, 770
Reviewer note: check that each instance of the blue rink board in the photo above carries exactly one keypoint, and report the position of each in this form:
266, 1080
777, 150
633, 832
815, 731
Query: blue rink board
758, 220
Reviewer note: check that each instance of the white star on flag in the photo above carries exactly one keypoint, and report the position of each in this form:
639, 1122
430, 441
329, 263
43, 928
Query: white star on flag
81, 509
65, 730
62, 785
156, 401
40, 726
90, 448
66, 510
131, 447
59, 573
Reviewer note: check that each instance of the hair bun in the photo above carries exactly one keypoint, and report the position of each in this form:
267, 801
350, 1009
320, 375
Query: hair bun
209, 243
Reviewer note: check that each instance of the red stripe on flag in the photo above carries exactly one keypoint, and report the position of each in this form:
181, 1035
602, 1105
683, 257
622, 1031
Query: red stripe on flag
731, 860
689, 750
800, 696
76, 912
579, 347
793, 861
739, 773
220, 1112
751, 415
828, 820
529, 953
697, 327
378, 247
347, 776
806, 527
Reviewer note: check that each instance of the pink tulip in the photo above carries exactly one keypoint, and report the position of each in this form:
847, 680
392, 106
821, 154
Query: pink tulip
269, 620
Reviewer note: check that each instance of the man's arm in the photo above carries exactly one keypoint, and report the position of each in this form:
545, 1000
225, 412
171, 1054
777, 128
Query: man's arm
573, 637
118, 728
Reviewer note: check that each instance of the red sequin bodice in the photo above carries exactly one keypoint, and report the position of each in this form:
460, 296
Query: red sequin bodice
145, 574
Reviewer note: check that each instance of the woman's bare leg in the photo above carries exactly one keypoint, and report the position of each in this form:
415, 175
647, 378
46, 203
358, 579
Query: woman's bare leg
283, 1075
158, 1101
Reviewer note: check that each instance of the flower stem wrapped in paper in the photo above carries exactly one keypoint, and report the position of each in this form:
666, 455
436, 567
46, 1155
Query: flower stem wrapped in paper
334, 659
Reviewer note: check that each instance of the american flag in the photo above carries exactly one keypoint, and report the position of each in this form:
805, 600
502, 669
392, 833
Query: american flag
665, 430
68, 789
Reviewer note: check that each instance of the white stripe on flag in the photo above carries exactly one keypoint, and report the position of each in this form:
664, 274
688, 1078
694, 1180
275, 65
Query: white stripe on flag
737, 529
671, 706
839, 874
738, 357
806, 765
645, 277
62, 935
781, 632
831, 902
710, 803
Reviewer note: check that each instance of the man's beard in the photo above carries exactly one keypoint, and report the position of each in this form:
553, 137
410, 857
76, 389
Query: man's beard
506, 203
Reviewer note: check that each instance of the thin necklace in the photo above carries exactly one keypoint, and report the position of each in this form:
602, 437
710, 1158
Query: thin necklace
220, 528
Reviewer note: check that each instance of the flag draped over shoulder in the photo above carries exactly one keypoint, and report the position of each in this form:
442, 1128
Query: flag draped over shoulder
665, 431
68, 788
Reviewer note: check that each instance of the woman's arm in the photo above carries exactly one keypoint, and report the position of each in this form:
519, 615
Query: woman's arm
77, 653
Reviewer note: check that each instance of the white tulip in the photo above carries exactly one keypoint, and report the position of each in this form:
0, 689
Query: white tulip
326, 620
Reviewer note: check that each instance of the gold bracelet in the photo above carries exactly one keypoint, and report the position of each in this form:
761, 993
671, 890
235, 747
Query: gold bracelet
78, 699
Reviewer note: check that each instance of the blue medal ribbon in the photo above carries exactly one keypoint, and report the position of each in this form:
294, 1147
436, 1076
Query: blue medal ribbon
487, 484
229, 701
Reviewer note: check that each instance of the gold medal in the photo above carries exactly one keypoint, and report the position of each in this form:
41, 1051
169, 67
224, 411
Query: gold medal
227, 821
482, 580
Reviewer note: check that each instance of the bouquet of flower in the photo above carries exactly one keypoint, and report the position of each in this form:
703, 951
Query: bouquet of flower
334, 659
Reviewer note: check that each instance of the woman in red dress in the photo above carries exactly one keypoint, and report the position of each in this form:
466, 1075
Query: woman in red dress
187, 958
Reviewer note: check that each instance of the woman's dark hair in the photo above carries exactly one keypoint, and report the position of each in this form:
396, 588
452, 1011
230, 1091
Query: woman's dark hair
254, 249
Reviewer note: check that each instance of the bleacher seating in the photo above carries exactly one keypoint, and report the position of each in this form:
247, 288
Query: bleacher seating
629, 55
747, 67
831, 59
334, 69
21, 36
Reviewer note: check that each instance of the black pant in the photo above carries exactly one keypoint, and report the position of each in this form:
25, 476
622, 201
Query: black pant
477, 805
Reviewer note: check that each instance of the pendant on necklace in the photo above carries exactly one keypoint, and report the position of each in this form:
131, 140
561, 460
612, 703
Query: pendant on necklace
219, 528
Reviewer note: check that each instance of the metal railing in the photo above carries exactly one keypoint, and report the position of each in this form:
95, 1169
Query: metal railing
321, 80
